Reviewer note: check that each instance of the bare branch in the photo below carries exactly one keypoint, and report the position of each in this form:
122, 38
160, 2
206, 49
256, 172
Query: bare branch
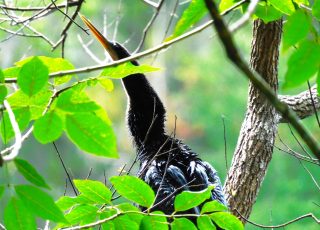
302, 104
25, 9
309, 215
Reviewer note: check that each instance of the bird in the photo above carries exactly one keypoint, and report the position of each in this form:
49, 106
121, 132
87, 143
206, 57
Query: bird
167, 165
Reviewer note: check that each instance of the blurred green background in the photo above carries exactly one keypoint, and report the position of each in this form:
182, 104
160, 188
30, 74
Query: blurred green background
197, 84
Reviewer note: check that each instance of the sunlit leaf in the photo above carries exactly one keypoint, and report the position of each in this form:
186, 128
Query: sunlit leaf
54, 65
124, 222
106, 83
213, 206
22, 117
3, 88
205, 223
316, 9
11, 72
76, 101
39, 102
190, 199
304, 2
48, 128
125, 69
267, 12
133, 189
285, 6
95, 191
82, 214
125, 207
33, 76
195, 11
181, 224
91, 134
108, 225
18, 217
154, 222
302, 64
39, 202
30, 173
226, 4
227, 221
36, 103
296, 28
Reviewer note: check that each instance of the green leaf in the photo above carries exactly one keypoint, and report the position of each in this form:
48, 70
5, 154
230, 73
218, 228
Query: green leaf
95, 191
285, 6
3, 88
74, 100
2, 188
124, 222
33, 76
66, 202
302, 64
205, 223
22, 116
125, 69
109, 225
213, 206
48, 128
296, 28
18, 217
194, 13
267, 12
11, 72
38, 103
318, 81
316, 9
188, 199
134, 189
91, 134
30, 173
226, 4
125, 207
226, 221
54, 65
82, 214
304, 2
181, 224
154, 222
106, 83
39, 202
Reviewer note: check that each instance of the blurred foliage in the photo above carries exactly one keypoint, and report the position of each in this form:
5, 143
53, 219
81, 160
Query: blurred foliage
198, 86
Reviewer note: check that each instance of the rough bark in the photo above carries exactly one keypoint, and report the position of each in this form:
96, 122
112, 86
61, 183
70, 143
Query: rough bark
255, 144
304, 104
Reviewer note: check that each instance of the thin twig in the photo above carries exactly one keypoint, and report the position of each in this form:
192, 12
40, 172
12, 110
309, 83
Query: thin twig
65, 169
140, 54
225, 143
309, 215
148, 26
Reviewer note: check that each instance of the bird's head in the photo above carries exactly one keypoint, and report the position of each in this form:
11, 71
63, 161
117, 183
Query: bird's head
115, 50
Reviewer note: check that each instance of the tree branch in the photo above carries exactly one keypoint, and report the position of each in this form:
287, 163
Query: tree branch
257, 80
301, 103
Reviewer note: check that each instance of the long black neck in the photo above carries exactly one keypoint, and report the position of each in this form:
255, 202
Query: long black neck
146, 113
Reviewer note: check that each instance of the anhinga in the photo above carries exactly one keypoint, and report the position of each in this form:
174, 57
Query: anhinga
166, 164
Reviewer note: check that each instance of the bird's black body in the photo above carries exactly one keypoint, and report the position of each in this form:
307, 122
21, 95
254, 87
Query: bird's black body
166, 164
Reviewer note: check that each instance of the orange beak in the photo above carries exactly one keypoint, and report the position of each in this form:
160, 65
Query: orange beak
105, 42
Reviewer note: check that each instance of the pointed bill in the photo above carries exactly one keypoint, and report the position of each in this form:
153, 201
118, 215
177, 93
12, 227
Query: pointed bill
104, 41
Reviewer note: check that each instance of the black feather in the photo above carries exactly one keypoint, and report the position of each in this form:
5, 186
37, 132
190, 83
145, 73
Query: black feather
166, 164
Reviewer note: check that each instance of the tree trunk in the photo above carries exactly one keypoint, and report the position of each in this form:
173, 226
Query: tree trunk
255, 144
